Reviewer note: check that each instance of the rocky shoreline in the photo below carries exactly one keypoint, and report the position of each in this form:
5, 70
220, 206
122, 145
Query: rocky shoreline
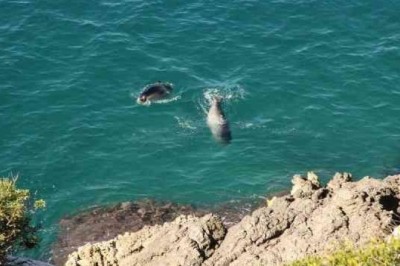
104, 223
312, 219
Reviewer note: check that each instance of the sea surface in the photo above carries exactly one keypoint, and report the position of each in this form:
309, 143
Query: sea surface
307, 85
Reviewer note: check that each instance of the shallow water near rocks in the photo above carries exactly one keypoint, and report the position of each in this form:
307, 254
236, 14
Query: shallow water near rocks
308, 85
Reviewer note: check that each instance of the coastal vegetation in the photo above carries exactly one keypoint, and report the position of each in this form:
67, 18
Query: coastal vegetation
374, 254
16, 208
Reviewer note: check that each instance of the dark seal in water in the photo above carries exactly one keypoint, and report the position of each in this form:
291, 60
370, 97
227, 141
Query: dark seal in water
155, 92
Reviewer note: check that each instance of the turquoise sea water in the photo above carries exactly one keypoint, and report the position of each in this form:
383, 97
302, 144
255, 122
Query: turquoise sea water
308, 85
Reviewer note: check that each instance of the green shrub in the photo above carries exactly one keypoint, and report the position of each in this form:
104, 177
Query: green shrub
377, 253
15, 220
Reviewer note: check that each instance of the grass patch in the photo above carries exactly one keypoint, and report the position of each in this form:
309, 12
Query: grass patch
383, 253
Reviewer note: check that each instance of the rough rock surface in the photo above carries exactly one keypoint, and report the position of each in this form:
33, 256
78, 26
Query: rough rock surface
312, 219
104, 223
186, 241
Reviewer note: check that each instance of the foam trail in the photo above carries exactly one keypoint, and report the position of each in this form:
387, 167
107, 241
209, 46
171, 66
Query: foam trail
163, 101
168, 100
185, 123
227, 93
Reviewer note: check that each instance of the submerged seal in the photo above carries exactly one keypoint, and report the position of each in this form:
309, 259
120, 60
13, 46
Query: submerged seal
155, 92
218, 123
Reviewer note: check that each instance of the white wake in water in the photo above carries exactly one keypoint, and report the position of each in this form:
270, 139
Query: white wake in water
163, 101
185, 123
167, 100
228, 94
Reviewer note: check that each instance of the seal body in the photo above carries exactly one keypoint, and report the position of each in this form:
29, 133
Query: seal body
218, 123
155, 92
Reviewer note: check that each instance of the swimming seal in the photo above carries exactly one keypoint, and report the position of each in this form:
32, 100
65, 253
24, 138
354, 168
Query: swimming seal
218, 123
155, 92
